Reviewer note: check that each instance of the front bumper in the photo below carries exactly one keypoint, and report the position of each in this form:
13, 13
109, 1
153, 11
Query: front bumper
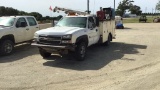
70, 46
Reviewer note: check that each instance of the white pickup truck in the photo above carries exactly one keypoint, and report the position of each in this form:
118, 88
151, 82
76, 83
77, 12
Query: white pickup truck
15, 30
74, 34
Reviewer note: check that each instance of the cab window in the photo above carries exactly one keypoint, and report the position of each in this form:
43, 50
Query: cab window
21, 22
91, 23
31, 21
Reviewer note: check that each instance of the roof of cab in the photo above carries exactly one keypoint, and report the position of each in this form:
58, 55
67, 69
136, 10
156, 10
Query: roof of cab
17, 16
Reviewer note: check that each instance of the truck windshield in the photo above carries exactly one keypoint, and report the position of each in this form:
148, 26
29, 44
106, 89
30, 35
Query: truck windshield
73, 22
7, 21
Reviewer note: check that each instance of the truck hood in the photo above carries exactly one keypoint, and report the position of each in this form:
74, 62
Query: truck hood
3, 28
59, 30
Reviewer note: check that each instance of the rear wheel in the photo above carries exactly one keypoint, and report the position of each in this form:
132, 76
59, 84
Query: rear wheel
108, 41
122, 27
43, 53
6, 47
80, 52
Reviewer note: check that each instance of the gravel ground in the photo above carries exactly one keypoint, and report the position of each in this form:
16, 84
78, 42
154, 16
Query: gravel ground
131, 62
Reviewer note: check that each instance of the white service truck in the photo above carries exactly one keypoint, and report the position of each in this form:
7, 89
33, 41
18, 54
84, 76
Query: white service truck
15, 30
74, 33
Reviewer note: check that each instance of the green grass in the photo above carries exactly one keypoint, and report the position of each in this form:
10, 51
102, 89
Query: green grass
136, 20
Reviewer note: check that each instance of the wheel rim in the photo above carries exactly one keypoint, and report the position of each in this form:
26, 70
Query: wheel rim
8, 48
82, 51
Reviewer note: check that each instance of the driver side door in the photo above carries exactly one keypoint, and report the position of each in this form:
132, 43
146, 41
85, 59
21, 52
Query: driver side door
93, 29
21, 28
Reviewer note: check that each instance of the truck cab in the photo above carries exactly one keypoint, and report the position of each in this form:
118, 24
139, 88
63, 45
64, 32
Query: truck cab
74, 33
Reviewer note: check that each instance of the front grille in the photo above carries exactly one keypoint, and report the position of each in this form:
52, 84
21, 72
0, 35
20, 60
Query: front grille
50, 40
50, 36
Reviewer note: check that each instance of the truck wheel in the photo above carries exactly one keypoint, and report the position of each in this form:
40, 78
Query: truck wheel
108, 41
43, 53
6, 47
80, 52
122, 27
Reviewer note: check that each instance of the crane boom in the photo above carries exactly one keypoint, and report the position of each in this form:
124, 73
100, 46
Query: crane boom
67, 11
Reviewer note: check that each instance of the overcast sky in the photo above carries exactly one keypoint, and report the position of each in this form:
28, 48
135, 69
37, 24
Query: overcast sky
42, 6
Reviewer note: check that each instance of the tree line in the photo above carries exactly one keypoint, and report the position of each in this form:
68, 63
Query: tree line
123, 6
151, 14
9, 11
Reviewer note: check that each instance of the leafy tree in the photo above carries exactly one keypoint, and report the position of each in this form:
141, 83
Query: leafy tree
59, 17
11, 11
123, 6
48, 17
158, 6
22, 13
2, 11
7, 11
37, 15
135, 10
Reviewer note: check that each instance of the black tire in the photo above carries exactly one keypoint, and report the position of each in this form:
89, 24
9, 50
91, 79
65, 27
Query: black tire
108, 41
80, 51
122, 27
6, 47
43, 53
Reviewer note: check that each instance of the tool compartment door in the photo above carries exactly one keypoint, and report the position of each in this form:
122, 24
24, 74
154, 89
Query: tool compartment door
103, 31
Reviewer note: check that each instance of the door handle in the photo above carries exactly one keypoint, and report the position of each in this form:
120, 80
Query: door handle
96, 30
37, 27
27, 29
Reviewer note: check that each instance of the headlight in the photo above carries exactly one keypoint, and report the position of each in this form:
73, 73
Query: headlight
67, 36
36, 35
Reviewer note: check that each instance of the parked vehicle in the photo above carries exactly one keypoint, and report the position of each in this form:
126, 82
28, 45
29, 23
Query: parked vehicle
156, 20
75, 32
119, 22
143, 19
15, 30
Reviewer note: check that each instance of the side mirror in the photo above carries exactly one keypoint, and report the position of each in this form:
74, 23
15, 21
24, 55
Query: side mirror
90, 27
97, 21
23, 24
